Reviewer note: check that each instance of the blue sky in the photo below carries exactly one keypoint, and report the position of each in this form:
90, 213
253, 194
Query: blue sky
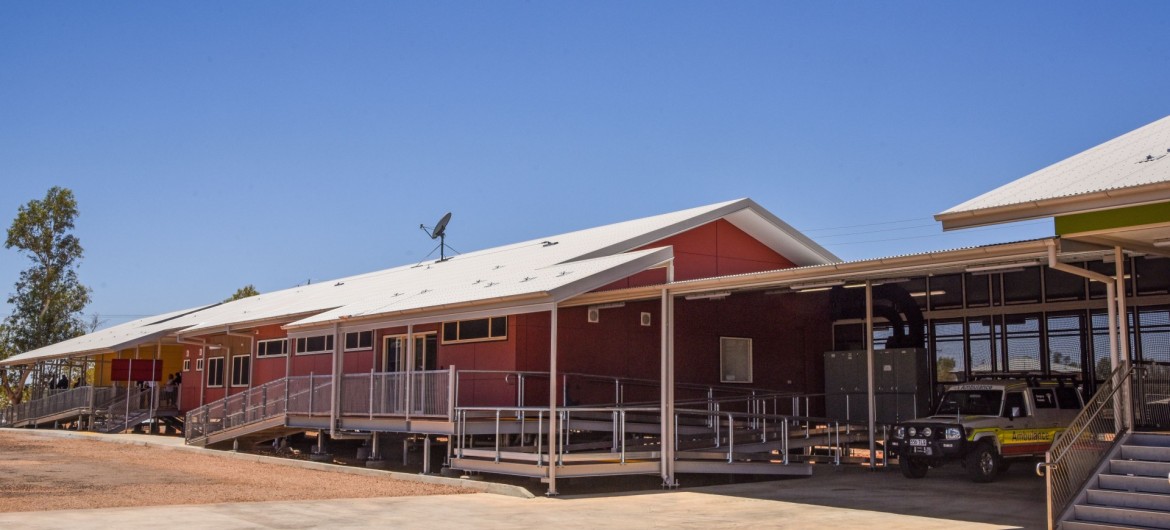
216, 144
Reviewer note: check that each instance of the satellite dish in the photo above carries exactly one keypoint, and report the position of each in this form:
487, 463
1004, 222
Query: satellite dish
441, 227
439, 232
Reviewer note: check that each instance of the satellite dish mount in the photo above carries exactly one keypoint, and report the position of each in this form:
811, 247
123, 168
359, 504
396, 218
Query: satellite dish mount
439, 232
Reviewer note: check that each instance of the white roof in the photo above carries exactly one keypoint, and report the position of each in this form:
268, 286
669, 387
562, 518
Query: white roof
547, 269
117, 337
1131, 169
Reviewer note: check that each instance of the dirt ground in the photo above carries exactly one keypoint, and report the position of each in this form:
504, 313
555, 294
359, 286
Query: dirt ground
55, 473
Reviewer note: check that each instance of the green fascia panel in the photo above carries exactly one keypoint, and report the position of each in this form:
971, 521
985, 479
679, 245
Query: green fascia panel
1146, 214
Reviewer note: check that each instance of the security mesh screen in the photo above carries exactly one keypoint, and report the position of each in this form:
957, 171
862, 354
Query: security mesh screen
1066, 339
950, 361
1023, 343
983, 347
1155, 333
1100, 320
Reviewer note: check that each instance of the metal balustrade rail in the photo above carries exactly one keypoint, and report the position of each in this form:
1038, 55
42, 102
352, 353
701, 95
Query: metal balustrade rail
522, 388
311, 394
128, 409
1077, 452
82, 398
534, 422
379, 394
761, 437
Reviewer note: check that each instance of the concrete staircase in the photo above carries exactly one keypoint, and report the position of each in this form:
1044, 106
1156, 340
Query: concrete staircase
1131, 491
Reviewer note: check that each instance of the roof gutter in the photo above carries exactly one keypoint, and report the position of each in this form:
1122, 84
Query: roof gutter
890, 267
1101, 200
436, 309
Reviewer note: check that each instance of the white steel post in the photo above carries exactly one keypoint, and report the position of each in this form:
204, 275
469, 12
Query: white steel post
409, 369
666, 378
1123, 336
553, 424
335, 395
869, 375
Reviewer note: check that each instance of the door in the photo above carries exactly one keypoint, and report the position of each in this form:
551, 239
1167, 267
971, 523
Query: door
395, 359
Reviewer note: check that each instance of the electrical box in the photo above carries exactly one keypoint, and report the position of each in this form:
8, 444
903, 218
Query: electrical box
902, 384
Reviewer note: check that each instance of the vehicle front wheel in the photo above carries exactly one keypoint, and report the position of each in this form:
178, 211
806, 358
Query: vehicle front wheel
913, 467
983, 463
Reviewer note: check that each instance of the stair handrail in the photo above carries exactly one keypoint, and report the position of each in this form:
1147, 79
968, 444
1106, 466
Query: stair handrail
1093, 433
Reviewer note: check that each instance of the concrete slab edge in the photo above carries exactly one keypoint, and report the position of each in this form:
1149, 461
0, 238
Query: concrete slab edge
476, 485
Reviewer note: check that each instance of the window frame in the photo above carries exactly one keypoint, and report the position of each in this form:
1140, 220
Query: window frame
359, 347
262, 348
329, 344
209, 371
723, 361
199, 364
459, 326
186, 365
241, 378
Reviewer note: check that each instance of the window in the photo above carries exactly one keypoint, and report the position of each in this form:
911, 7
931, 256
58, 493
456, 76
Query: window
186, 365
271, 348
1155, 333
946, 292
359, 340
1060, 286
950, 358
982, 344
494, 328
1044, 398
215, 371
978, 287
1013, 405
199, 365
735, 360
318, 344
1066, 339
1153, 275
1022, 342
240, 370
1022, 287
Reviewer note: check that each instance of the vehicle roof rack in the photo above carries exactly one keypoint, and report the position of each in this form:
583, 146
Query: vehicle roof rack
1034, 379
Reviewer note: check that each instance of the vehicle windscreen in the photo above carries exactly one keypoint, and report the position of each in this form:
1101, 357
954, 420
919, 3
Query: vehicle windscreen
975, 402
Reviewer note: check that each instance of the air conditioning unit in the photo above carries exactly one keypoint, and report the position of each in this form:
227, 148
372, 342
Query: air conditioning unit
594, 315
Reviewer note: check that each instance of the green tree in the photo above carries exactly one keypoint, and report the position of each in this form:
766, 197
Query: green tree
49, 298
243, 292
946, 370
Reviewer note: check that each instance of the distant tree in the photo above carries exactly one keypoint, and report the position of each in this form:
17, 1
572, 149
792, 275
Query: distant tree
243, 292
49, 298
946, 369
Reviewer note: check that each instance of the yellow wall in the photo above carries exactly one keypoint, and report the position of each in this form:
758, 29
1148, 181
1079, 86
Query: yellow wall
172, 358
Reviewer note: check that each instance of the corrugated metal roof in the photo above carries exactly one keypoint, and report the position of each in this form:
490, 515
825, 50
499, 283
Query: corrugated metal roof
555, 266
1135, 159
111, 338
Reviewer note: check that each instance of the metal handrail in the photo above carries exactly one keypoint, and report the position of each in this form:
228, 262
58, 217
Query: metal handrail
1092, 434
56, 402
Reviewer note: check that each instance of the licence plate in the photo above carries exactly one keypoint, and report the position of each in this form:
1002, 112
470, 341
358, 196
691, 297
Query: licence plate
921, 442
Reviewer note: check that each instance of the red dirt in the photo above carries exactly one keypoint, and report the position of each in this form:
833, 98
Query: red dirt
39, 473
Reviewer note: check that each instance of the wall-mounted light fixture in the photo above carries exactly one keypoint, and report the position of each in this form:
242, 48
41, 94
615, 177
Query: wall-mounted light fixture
814, 287
1015, 266
708, 296
1162, 243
